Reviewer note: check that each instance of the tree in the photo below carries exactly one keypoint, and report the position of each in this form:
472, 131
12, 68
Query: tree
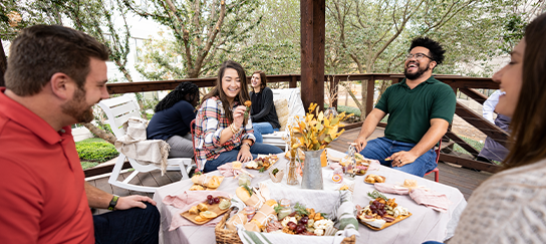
202, 31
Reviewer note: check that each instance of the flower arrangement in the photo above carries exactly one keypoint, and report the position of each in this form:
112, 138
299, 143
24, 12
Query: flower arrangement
315, 131
247, 104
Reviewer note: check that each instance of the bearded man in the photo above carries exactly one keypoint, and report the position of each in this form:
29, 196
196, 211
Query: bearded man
420, 110
55, 75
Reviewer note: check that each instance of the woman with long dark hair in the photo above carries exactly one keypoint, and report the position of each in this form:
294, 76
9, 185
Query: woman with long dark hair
509, 207
222, 134
172, 119
263, 113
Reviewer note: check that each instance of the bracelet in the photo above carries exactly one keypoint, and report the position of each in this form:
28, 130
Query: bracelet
235, 131
113, 202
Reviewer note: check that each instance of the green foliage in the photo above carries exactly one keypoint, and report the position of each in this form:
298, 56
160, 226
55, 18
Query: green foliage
96, 150
88, 165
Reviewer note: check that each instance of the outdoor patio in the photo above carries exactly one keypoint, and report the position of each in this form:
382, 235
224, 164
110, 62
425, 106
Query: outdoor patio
466, 180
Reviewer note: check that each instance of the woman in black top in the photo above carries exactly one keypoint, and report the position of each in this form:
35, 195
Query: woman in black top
263, 114
172, 119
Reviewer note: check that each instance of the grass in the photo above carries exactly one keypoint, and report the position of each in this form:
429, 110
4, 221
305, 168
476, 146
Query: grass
93, 151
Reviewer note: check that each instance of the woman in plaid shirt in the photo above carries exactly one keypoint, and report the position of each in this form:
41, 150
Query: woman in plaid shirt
221, 133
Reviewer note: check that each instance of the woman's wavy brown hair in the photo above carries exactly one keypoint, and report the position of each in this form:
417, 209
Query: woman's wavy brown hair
219, 92
528, 126
263, 79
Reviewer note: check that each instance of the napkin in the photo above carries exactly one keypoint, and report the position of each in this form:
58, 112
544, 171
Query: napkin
434, 200
185, 201
374, 165
390, 188
226, 170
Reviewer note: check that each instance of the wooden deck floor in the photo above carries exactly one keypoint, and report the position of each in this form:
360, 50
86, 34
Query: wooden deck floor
463, 179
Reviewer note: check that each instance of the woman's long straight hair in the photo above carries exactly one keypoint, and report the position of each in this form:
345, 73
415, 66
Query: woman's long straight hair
528, 125
219, 92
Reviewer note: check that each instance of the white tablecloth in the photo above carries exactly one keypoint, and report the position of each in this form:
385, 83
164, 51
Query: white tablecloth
424, 225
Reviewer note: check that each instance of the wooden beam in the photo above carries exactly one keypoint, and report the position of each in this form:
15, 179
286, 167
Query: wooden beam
312, 30
103, 170
488, 128
143, 86
469, 163
462, 143
293, 82
369, 97
471, 93
3, 64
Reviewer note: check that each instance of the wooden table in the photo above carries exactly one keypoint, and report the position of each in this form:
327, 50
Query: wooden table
424, 225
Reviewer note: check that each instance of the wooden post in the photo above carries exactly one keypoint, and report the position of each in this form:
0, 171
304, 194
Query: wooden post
293, 82
312, 52
369, 96
3, 64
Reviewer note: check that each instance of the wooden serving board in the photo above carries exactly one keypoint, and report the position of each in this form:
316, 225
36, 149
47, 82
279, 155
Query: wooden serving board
398, 219
271, 164
213, 208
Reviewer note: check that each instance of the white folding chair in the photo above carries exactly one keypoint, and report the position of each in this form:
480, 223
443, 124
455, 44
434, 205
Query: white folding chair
119, 110
295, 107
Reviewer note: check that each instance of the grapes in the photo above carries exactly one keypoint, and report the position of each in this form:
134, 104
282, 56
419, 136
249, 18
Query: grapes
216, 200
209, 197
373, 207
300, 229
291, 225
304, 220
210, 201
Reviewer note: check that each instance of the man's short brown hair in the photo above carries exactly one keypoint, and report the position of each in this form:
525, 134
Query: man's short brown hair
40, 51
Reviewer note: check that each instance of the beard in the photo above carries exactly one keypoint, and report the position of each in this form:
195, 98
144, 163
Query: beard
78, 109
417, 74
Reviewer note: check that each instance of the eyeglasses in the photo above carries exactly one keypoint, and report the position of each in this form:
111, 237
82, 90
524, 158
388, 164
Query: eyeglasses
418, 56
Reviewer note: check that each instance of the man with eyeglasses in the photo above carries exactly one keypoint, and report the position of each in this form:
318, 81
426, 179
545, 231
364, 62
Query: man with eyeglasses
420, 110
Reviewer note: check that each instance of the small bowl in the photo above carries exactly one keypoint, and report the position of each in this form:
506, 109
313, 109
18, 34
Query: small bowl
277, 178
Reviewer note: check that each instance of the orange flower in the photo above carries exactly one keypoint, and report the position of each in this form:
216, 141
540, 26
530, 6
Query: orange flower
248, 103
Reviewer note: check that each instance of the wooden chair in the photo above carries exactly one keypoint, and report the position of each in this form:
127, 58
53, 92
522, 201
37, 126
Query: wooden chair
119, 110
436, 171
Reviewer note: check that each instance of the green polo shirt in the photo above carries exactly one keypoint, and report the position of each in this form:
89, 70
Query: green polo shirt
410, 110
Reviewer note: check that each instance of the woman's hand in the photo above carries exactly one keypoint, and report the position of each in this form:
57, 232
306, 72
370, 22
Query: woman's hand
244, 154
238, 116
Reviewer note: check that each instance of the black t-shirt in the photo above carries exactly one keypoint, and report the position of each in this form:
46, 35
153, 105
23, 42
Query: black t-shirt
256, 100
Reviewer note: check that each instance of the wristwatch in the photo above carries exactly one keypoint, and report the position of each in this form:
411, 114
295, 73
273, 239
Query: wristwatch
113, 202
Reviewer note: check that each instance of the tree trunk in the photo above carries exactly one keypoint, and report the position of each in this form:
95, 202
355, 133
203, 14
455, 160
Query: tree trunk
100, 133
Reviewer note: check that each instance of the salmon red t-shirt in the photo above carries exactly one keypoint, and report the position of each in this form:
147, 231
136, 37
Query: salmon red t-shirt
41, 181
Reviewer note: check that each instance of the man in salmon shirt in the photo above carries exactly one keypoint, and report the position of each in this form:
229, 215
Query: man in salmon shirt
55, 75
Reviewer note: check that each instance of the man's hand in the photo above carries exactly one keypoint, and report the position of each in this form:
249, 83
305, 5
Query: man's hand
402, 158
360, 143
134, 201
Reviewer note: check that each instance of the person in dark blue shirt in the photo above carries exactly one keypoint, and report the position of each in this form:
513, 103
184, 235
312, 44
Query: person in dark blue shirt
172, 119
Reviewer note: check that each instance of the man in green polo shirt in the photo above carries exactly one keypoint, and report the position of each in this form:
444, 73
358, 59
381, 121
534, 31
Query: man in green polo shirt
420, 110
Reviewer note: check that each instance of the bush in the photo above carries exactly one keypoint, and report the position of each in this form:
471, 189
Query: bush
95, 150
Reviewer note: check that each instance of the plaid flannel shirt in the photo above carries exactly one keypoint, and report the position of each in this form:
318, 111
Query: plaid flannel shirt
209, 124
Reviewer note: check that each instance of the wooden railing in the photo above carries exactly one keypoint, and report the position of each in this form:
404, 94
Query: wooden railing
466, 85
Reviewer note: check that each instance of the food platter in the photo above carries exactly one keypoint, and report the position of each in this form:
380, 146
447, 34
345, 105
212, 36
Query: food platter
398, 219
262, 161
215, 208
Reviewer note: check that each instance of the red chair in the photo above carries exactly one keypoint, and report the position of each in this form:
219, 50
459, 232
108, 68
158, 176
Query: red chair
436, 171
192, 129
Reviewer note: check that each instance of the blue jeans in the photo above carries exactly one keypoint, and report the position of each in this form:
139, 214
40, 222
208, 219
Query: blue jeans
432, 242
133, 225
230, 156
382, 147
262, 128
